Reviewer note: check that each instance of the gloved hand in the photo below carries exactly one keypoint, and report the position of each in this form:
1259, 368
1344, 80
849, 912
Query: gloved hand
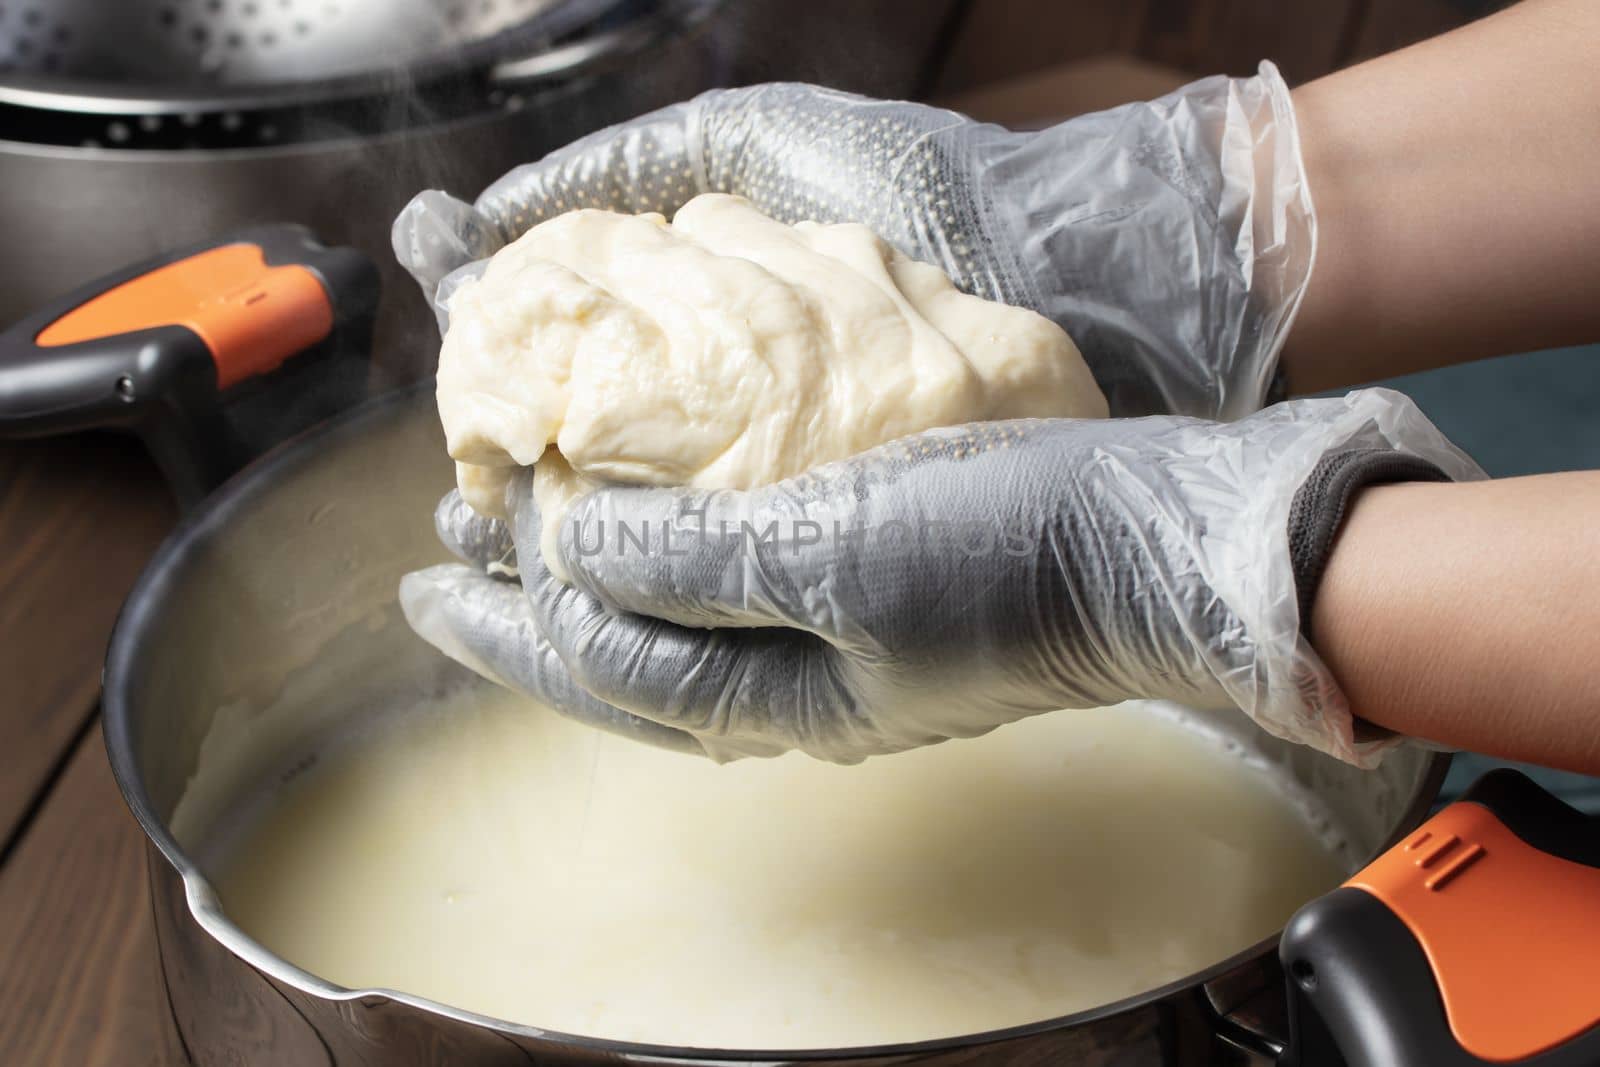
940, 585
1171, 239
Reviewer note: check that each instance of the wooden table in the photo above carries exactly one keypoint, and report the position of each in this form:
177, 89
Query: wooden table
80, 982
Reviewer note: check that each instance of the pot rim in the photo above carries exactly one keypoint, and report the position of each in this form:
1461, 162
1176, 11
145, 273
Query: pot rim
142, 609
288, 149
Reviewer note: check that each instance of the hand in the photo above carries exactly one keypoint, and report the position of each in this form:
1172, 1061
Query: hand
935, 587
1172, 239
478, 615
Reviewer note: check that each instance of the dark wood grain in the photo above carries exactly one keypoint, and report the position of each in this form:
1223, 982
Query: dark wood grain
78, 518
1389, 26
79, 976
1232, 36
1050, 96
998, 40
884, 48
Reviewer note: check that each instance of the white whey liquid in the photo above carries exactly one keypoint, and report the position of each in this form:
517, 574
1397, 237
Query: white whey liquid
490, 855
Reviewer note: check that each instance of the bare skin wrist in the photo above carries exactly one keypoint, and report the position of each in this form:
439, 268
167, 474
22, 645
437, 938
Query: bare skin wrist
1465, 614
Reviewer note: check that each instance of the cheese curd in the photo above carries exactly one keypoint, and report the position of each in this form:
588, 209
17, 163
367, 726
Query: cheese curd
725, 350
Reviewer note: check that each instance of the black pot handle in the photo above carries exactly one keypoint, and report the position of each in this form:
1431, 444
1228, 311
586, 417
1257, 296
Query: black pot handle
1470, 943
211, 353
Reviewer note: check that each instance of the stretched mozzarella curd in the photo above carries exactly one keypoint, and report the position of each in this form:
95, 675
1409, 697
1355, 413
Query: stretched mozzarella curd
724, 350
493, 856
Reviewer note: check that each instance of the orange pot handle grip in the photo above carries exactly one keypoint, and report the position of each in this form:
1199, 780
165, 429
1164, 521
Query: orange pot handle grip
1472, 941
197, 350
250, 314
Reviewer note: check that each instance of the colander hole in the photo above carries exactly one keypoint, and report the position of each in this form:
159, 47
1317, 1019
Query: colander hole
199, 35
32, 18
214, 6
118, 132
189, 119
23, 46
168, 17
302, 27
50, 63
231, 120
250, 10
62, 35
149, 123
268, 39
234, 40
267, 132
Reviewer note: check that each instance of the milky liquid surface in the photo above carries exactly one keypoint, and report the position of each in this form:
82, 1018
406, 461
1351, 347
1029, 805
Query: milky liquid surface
490, 855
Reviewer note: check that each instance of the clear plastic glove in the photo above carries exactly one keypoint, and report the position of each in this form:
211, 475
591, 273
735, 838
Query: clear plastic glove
1171, 239
932, 588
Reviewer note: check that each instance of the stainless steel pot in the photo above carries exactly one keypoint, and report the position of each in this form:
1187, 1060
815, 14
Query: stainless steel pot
279, 593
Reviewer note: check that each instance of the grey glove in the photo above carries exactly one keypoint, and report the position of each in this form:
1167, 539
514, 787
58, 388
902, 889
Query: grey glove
1171, 239
935, 587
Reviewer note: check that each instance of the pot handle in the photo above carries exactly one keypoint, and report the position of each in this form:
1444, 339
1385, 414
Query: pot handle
211, 353
1469, 943
604, 48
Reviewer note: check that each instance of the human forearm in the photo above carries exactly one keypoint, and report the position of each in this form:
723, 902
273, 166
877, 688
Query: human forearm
1468, 614
1453, 183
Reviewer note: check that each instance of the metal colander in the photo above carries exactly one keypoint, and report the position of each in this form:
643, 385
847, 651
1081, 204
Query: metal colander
217, 74
153, 44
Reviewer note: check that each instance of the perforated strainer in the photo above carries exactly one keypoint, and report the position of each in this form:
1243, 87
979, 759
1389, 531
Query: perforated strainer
208, 74
172, 43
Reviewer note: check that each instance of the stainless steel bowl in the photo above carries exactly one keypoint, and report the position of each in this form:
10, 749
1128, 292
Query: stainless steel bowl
218, 46
287, 576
